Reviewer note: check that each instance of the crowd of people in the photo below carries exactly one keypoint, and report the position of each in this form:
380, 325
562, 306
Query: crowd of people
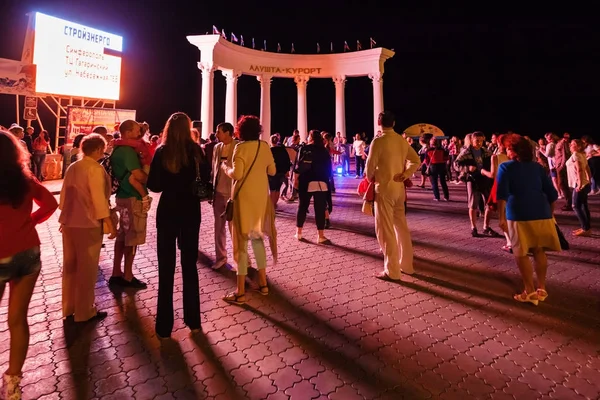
510, 175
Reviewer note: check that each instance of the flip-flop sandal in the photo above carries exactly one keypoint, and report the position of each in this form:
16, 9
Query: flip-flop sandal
234, 298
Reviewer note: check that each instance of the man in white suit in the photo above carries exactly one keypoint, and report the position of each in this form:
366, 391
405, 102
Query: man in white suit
223, 151
392, 160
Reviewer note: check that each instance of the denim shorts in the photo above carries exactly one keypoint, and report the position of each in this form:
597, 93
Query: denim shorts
21, 264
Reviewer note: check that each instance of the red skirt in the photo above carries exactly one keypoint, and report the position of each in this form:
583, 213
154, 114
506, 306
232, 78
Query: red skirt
492, 202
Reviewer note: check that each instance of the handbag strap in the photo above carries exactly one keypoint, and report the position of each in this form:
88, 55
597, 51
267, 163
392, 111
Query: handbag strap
247, 173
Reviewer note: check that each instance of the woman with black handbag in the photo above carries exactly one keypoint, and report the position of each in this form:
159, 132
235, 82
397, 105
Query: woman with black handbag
179, 171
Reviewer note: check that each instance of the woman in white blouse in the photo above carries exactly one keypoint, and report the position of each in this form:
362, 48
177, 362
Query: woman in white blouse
84, 218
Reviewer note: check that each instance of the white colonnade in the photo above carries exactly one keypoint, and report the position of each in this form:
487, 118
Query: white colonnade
233, 61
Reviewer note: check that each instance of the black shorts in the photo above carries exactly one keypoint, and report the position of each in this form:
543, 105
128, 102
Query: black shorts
275, 182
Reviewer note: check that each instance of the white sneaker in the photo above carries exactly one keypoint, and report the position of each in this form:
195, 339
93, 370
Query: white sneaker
11, 387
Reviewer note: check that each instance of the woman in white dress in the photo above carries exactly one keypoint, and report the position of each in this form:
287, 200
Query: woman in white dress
252, 210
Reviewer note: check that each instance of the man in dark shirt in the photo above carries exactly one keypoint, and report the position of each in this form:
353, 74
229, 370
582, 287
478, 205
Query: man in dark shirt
282, 163
28, 139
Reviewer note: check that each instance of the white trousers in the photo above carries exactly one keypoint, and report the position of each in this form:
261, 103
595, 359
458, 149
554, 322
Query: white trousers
393, 234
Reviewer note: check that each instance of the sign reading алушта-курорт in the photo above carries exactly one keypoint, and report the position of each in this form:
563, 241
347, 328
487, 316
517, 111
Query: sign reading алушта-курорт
76, 60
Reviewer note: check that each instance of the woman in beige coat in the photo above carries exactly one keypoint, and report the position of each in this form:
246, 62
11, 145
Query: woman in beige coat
252, 162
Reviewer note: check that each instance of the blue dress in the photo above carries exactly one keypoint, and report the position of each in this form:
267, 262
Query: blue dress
528, 192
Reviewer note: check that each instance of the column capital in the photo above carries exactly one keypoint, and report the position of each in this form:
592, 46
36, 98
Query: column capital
264, 79
339, 80
206, 67
230, 74
301, 80
376, 76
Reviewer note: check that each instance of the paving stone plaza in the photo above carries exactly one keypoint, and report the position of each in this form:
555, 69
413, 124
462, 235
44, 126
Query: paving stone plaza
329, 329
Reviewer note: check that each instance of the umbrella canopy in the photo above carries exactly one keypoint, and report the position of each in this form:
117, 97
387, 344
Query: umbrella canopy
418, 130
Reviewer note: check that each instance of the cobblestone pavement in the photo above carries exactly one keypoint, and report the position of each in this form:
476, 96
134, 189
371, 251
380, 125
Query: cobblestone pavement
329, 330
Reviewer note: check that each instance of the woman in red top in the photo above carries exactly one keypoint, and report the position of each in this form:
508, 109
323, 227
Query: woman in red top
19, 248
436, 159
40, 148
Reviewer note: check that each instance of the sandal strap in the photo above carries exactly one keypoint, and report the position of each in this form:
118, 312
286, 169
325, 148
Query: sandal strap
234, 296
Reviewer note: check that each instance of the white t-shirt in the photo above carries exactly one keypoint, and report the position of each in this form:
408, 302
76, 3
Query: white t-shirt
592, 150
550, 154
572, 178
359, 148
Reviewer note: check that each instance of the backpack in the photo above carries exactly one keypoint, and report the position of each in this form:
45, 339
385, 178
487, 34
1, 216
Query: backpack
115, 183
304, 160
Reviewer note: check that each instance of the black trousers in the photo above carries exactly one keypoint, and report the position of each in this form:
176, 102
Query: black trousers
360, 165
177, 223
320, 200
437, 174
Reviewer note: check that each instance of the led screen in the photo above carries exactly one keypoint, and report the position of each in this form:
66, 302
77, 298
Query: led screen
76, 60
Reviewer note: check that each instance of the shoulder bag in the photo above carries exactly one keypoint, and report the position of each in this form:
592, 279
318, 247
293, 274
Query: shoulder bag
228, 213
203, 189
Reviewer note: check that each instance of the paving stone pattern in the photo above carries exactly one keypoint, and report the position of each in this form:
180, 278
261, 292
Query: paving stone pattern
329, 330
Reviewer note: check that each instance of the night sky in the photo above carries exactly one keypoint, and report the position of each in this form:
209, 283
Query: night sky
529, 76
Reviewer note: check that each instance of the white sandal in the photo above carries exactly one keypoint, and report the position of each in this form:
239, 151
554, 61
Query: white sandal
527, 298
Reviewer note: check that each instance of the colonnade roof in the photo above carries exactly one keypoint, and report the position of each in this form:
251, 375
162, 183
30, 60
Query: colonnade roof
218, 53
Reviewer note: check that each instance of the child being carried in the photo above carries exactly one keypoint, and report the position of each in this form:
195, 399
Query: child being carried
142, 148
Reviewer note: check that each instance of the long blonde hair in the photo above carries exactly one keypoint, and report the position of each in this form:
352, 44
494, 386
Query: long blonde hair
178, 143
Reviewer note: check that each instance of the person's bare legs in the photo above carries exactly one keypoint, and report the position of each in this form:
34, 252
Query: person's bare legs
20, 295
472, 218
274, 197
241, 285
129, 253
486, 218
262, 277
119, 248
541, 267
526, 269
557, 187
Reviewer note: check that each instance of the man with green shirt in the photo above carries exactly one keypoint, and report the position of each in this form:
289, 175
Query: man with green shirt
132, 207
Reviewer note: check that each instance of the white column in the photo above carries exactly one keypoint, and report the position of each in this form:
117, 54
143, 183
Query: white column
265, 105
340, 105
301, 82
377, 78
231, 77
207, 98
